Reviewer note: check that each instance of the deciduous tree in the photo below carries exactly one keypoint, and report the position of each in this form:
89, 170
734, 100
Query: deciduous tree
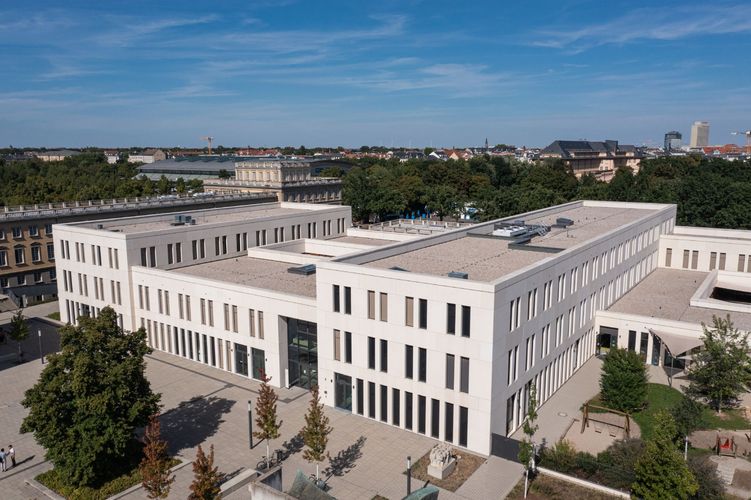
720, 372
316, 432
155, 466
90, 398
266, 418
661, 470
207, 479
19, 331
623, 382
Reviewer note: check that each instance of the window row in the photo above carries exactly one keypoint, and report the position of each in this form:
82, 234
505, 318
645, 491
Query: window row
19, 254
32, 230
420, 413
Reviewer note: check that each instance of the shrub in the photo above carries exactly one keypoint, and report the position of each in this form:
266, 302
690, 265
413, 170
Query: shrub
687, 415
561, 457
618, 461
623, 383
711, 486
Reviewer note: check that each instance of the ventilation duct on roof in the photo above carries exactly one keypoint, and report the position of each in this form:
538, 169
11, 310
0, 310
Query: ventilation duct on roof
563, 222
305, 270
458, 274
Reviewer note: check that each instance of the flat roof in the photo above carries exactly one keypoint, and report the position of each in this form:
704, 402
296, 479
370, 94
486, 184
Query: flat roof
142, 224
666, 293
256, 273
360, 240
487, 258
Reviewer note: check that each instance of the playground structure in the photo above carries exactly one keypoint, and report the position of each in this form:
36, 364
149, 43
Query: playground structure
609, 419
726, 446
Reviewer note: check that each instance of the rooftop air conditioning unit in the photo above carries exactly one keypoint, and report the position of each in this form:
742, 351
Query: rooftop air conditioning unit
458, 274
305, 270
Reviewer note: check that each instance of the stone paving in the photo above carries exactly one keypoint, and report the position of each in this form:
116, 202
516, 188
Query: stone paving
203, 405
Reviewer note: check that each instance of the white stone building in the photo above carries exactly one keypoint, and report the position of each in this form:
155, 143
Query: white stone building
441, 334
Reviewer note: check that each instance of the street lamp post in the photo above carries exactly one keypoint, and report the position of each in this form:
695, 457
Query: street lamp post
409, 475
41, 355
250, 423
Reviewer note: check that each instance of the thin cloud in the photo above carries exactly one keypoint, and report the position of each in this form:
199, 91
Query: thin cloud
660, 24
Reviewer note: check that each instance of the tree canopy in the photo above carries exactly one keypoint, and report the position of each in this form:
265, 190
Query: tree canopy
90, 398
623, 382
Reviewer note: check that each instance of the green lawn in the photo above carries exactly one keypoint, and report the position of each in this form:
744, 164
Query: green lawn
55, 315
661, 397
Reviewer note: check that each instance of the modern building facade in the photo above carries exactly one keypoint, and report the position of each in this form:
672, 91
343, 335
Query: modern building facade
441, 334
27, 253
673, 141
699, 135
598, 158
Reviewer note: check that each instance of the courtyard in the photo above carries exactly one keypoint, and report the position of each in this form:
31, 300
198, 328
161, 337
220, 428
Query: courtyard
202, 405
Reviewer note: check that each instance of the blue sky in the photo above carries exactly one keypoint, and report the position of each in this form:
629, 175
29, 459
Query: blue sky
392, 72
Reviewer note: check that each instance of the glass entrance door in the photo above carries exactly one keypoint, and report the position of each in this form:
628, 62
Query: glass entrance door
302, 352
241, 359
343, 392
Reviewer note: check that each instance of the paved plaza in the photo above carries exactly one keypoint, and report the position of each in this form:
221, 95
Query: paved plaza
203, 405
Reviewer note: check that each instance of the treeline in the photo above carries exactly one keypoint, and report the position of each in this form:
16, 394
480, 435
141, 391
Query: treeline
708, 192
82, 177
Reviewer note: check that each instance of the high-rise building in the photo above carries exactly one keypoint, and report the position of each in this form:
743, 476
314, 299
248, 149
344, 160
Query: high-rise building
673, 141
700, 134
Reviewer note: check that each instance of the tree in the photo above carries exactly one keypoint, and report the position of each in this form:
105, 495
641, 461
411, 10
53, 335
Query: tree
720, 372
711, 486
661, 470
623, 383
443, 200
316, 432
618, 461
206, 477
155, 466
527, 446
90, 398
266, 417
687, 415
224, 174
19, 331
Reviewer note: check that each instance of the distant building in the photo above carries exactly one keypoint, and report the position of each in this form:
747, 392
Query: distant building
599, 158
56, 155
147, 156
673, 141
700, 135
288, 179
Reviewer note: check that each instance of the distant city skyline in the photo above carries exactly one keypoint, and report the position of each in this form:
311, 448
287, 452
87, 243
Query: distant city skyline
276, 73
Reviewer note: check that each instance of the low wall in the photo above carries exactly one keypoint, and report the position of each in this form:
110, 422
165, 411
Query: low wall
583, 483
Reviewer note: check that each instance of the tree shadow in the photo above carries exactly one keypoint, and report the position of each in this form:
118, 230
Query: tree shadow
344, 461
193, 421
292, 446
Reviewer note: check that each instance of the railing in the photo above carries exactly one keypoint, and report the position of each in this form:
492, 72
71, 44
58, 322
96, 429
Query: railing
208, 183
98, 206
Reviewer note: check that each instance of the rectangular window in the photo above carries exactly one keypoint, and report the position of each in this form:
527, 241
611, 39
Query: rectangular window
384, 306
686, 255
178, 252
226, 317
203, 311
347, 300
694, 259
260, 324
194, 247
409, 361
152, 256
348, 347
421, 413
423, 314
384, 356
448, 426
50, 251
169, 253
408, 410
211, 313
384, 403
466, 320
336, 298
741, 263
337, 345
422, 367
449, 371
234, 319
712, 260
371, 353
409, 311
451, 319
395, 410
435, 418
371, 304
203, 248
360, 397
371, 400
464, 375
668, 256
463, 425
723, 258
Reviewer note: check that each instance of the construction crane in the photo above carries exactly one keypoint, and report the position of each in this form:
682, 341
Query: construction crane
208, 139
747, 133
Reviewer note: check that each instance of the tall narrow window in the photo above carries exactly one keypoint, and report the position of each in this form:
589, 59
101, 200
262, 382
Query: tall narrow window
466, 320
435, 418
384, 356
409, 361
395, 410
451, 318
448, 434
463, 425
423, 314
371, 304
421, 413
384, 403
422, 368
371, 353
337, 345
449, 371
409, 311
371, 400
668, 256
384, 306
408, 410
464, 375
336, 298
347, 300
348, 347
